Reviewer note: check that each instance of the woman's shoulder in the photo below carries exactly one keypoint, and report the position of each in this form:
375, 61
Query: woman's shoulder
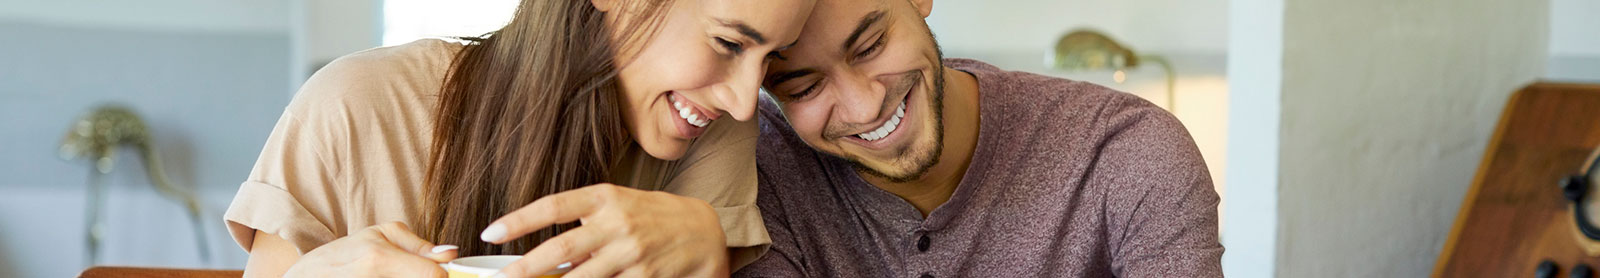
725, 136
373, 105
726, 146
402, 75
393, 88
420, 56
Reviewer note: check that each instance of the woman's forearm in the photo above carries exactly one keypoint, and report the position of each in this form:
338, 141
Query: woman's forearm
270, 256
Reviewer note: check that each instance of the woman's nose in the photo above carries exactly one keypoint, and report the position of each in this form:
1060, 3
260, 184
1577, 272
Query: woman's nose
743, 88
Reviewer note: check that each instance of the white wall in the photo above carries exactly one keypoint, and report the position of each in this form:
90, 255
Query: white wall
207, 76
405, 21
1191, 26
323, 30
154, 15
1574, 40
1574, 28
1386, 110
1251, 220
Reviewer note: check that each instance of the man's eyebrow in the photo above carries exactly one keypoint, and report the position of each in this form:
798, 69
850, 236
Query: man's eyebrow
744, 29
786, 76
866, 21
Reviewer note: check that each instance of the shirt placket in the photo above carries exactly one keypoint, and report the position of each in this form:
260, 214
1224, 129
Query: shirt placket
920, 251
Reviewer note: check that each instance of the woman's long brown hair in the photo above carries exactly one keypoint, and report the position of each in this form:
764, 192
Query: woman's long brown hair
527, 111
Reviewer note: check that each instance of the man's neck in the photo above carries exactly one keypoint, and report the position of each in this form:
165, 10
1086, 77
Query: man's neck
960, 140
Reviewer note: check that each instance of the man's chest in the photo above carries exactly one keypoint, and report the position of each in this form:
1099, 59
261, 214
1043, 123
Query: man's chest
1009, 231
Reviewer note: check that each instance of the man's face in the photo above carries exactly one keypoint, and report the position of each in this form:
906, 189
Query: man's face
865, 84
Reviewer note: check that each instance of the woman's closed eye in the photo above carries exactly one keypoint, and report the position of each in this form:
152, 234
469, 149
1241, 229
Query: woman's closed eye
730, 46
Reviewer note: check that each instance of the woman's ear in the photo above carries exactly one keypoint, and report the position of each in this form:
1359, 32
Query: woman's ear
603, 5
923, 6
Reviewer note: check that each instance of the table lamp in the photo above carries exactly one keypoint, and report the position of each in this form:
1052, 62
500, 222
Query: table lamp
97, 136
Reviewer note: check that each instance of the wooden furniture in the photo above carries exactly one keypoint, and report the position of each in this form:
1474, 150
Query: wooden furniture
1514, 216
141, 272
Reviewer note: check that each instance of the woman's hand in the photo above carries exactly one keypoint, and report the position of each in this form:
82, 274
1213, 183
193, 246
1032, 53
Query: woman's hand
625, 232
387, 250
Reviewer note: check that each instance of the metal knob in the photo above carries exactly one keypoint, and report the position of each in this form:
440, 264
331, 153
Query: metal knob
1573, 187
1546, 269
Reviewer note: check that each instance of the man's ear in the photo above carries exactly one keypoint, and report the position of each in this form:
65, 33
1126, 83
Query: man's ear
925, 7
604, 6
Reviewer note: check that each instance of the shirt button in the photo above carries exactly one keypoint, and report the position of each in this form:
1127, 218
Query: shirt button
925, 275
922, 243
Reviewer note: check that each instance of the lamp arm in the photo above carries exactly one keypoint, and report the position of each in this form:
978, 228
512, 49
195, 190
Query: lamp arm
158, 178
1172, 80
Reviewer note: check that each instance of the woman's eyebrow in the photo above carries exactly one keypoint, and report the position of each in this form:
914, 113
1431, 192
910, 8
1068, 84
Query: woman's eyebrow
744, 29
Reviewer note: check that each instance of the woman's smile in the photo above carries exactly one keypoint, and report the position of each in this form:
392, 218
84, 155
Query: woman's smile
689, 118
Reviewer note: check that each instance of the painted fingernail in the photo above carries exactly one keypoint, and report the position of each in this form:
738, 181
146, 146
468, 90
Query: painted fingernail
493, 233
443, 248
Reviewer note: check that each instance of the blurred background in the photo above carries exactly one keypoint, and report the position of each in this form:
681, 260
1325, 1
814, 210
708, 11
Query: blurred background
1342, 134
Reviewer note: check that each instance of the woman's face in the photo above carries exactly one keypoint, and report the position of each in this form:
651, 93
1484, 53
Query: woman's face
704, 61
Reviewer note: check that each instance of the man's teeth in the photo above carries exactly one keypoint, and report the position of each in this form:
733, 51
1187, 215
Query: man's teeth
888, 127
688, 114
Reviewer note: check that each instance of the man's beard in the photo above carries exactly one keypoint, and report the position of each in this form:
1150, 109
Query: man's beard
927, 156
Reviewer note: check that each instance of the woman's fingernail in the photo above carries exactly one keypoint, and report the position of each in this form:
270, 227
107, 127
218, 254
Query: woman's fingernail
498, 275
443, 248
493, 233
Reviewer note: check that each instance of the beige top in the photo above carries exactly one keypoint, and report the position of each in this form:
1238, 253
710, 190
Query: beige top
351, 149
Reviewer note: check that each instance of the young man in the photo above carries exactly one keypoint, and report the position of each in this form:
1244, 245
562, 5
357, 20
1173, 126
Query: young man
878, 158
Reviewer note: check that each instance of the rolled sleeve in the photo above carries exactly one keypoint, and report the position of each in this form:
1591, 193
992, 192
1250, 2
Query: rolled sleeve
272, 210
293, 191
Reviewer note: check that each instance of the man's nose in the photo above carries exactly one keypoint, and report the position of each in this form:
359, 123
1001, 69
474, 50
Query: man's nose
859, 99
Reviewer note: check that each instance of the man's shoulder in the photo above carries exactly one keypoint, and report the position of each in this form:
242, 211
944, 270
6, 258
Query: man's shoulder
995, 79
776, 137
1064, 120
1055, 104
782, 158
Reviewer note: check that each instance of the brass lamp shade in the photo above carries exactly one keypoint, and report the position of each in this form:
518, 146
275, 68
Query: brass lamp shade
1089, 50
1085, 50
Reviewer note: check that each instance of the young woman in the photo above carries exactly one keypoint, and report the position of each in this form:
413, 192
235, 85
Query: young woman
632, 117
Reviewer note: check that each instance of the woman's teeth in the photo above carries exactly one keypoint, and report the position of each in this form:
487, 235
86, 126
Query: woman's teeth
888, 127
689, 115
